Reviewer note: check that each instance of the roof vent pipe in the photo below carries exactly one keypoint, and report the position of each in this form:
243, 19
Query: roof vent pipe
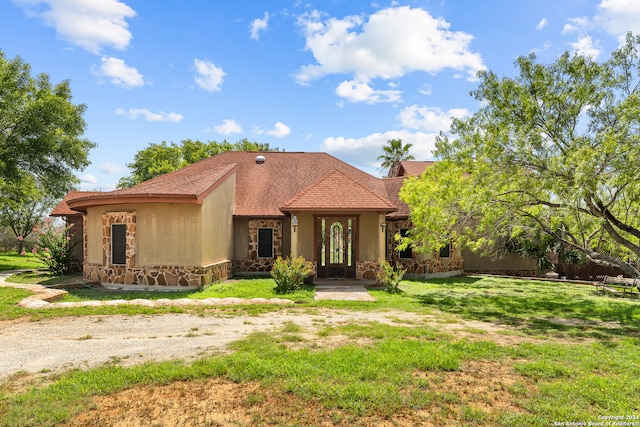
260, 159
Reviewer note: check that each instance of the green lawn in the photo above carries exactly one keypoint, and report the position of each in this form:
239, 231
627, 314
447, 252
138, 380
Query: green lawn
14, 261
563, 353
245, 288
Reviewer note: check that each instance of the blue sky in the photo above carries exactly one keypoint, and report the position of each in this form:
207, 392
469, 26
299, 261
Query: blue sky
340, 76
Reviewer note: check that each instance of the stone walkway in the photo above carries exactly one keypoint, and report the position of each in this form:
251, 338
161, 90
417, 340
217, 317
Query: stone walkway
343, 290
46, 297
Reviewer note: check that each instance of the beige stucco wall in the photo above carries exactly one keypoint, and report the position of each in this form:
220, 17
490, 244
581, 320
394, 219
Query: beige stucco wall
166, 233
305, 235
241, 238
372, 238
174, 234
217, 223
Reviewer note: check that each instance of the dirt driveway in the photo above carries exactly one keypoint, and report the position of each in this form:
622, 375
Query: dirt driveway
68, 342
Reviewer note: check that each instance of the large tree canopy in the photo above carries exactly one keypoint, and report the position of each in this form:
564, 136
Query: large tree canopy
23, 204
158, 159
552, 151
40, 129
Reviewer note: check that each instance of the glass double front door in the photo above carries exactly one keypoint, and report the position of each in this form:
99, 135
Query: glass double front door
336, 246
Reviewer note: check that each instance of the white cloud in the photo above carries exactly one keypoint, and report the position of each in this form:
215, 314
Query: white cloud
228, 127
576, 25
280, 130
88, 179
587, 47
259, 25
111, 168
618, 16
429, 119
363, 152
391, 43
119, 73
91, 25
160, 116
426, 89
362, 92
543, 23
208, 76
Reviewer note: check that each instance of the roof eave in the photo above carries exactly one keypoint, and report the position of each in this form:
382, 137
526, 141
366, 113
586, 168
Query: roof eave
335, 209
126, 199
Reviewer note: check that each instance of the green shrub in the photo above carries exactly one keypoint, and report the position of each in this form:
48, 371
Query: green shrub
54, 246
290, 273
391, 277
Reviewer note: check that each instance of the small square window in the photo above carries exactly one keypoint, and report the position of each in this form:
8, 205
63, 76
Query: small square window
445, 251
265, 242
119, 244
406, 253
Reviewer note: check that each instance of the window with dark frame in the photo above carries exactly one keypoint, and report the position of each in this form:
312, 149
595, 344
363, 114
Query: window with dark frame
265, 242
119, 244
408, 252
445, 251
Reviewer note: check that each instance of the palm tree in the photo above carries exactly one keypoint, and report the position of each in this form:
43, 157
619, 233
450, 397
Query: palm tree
394, 153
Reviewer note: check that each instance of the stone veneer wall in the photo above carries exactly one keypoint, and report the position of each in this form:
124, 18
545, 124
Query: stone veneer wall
129, 219
367, 270
417, 265
253, 264
160, 277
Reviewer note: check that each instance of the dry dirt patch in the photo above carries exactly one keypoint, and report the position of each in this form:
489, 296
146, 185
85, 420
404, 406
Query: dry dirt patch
485, 386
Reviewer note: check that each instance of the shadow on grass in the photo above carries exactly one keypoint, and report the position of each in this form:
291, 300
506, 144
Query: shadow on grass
535, 307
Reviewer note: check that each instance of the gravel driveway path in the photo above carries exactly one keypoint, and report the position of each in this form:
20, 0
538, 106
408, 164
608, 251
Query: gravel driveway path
68, 342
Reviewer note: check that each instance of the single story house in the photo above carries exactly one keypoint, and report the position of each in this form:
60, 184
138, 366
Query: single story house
236, 212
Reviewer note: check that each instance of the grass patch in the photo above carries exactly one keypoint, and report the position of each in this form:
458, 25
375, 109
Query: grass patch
247, 288
9, 298
13, 261
402, 374
536, 307
44, 278
254, 288
397, 371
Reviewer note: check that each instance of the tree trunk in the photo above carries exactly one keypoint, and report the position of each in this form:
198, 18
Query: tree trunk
608, 261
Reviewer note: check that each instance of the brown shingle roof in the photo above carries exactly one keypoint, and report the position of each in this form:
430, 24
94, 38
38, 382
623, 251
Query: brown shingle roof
175, 187
393, 185
261, 189
338, 191
63, 209
413, 168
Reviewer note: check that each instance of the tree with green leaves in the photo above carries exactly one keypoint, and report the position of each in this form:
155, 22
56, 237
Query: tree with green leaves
40, 129
158, 159
23, 205
553, 150
394, 153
